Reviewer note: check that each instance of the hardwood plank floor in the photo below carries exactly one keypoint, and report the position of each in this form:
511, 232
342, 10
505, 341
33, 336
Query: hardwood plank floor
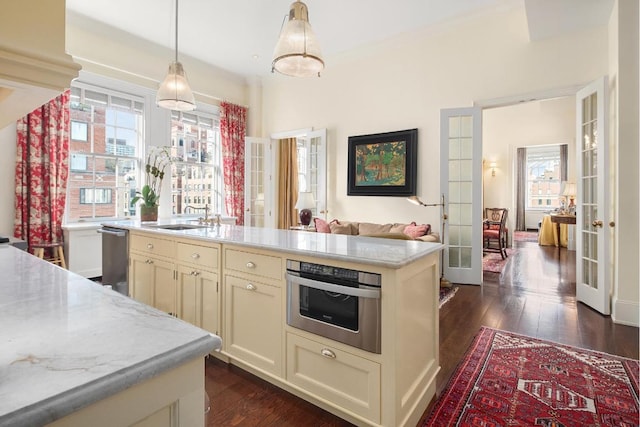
534, 296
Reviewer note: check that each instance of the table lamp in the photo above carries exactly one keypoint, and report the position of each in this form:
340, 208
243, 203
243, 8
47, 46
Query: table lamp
304, 205
569, 192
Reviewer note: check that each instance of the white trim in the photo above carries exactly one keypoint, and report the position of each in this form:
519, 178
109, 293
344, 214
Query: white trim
626, 312
560, 92
291, 133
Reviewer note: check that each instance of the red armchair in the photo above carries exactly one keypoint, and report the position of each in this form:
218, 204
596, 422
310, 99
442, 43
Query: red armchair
495, 231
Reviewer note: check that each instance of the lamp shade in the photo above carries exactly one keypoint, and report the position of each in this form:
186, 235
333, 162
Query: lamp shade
569, 189
297, 52
174, 92
305, 200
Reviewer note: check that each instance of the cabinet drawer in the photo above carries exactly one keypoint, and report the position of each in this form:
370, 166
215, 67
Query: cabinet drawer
152, 245
349, 381
203, 256
252, 263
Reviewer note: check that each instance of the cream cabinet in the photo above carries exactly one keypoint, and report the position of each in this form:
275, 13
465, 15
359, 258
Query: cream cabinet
254, 323
198, 285
152, 277
254, 307
333, 374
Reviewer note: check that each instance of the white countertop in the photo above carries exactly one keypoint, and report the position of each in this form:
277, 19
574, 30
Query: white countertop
389, 253
66, 342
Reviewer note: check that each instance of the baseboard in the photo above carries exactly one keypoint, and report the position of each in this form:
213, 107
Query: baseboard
626, 312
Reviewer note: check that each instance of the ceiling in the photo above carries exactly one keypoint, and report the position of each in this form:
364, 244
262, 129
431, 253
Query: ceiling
239, 35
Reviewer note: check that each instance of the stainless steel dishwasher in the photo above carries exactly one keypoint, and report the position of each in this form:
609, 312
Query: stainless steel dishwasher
115, 255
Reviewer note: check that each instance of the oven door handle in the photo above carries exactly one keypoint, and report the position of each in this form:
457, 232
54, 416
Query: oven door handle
345, 290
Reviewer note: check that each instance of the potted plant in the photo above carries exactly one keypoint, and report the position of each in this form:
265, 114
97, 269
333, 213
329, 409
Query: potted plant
157, 161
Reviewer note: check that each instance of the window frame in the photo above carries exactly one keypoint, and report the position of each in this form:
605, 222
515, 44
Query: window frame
537, 199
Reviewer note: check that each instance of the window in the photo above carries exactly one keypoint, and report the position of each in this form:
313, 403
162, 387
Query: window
107, 137
79, 131
196, 174
543, 177
95, 195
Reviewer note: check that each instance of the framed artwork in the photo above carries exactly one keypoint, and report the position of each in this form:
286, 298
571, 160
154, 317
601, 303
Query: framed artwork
383, 164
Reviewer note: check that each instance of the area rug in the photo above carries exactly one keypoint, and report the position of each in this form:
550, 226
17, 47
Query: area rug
446, 294
525, 236
506, 379
493, 262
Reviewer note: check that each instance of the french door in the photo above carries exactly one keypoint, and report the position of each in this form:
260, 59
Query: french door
461, 184
258, 187
593, 262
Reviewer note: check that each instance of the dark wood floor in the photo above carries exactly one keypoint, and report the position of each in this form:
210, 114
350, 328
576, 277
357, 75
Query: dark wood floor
534, 296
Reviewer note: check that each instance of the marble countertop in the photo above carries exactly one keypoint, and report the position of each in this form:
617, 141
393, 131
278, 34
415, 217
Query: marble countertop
390, 253
67, 342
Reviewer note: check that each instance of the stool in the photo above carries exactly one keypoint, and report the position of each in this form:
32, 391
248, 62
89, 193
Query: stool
57, 253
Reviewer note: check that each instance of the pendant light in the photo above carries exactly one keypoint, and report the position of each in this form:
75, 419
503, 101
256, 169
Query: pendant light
174, 92
297, 53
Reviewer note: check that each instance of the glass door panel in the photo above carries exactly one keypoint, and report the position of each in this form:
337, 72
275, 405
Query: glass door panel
461, 147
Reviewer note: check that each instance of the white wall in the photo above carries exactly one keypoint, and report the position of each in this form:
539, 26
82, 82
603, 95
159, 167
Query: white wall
7, 178
405, 83
505, 129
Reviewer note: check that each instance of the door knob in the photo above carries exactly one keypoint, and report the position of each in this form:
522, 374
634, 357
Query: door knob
597, 223
612, 224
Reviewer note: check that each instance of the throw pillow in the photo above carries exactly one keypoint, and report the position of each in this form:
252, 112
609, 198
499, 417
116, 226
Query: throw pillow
397, 228
414, 231
322, 226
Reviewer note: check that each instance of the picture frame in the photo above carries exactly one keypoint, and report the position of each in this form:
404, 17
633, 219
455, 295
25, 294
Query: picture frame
383, 164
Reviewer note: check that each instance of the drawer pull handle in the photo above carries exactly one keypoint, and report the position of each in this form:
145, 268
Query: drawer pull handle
251, 287
328, 353
195, 255
149, 261
251, 265
149, 246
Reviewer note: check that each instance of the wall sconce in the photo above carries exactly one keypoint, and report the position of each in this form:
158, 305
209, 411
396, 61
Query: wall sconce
493, 166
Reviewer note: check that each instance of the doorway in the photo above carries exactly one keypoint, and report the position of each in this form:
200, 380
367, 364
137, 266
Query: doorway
539, 123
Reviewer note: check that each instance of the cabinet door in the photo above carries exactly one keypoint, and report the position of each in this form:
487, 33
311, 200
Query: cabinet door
165, 286
198, 297
141, 278
254, 323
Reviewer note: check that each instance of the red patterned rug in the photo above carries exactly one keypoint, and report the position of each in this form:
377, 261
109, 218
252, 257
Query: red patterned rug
507, 379
493, 262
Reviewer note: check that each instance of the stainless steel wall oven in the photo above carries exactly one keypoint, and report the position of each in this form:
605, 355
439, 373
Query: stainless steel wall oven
336, 303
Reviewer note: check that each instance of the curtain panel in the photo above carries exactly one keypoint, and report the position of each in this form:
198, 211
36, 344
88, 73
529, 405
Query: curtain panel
233, 129
521, 188
42, 168
287, 183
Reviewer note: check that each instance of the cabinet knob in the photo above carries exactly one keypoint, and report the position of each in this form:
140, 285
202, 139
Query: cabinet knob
328, 353
251, 265
149, 261
195, 255
251, 287
195, 273
149, 246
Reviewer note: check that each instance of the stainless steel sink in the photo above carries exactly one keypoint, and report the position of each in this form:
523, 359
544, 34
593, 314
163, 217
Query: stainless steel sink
178, 226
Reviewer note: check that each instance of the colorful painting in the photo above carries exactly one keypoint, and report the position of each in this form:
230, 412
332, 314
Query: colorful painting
383, 164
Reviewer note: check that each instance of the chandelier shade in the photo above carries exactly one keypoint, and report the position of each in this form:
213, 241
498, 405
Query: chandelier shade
174, 92
297, 53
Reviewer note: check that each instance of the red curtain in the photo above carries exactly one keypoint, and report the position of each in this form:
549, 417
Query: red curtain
233, 128
42, 167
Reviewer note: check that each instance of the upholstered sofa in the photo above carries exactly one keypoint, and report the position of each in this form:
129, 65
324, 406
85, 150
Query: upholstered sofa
411, 231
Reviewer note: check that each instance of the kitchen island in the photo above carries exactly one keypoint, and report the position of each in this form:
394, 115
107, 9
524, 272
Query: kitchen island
75, 353
233, 280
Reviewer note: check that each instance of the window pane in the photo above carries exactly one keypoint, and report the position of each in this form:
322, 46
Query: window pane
196, 174
543, 177
104, 166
